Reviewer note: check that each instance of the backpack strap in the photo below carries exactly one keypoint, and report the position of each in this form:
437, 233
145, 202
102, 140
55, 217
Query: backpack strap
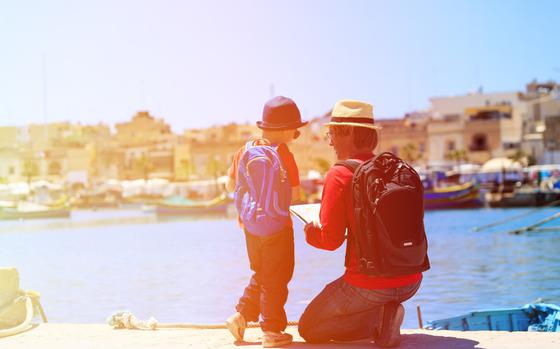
350, 164
248, 145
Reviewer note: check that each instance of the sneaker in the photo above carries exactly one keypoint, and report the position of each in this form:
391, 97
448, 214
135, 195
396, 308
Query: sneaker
276, 339
390, 336
236, 324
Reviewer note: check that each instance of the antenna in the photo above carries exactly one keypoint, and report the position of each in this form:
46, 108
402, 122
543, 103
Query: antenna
45, 125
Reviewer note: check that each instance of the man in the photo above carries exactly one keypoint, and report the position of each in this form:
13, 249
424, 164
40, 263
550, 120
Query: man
355, 306
270, 245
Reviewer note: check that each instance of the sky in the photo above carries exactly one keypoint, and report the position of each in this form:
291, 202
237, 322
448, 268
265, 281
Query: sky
203, 63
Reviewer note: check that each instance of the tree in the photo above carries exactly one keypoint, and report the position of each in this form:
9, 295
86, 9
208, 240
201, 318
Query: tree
144, 165
54, 168
523, 158
30, 169
322, 164
187, 168
214, 167
410, 153
457, 155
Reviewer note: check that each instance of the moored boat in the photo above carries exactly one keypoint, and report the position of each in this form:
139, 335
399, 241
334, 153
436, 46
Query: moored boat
538, 317
177, 206
34, 211
465, 195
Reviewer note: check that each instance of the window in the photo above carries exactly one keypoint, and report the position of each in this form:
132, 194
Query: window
450, 145
479, 142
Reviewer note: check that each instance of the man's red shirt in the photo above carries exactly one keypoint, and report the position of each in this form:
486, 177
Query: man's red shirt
337, 214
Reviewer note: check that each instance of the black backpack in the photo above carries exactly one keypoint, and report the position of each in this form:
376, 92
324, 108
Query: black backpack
388, 199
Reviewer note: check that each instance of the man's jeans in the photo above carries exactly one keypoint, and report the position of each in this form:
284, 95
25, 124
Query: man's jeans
343, 312
272, 260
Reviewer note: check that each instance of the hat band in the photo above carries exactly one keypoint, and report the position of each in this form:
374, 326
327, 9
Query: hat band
350, 119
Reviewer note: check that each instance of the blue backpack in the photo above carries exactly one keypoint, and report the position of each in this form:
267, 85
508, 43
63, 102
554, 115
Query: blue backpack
263, 192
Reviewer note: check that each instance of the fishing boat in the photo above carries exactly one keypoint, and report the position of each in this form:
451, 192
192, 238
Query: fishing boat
539, 317
177, 206
465, 195
29, 210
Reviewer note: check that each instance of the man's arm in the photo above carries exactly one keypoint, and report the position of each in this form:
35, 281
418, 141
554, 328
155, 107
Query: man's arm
296, 194
331, 234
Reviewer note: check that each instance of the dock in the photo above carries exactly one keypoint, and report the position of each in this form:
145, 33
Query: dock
93, 336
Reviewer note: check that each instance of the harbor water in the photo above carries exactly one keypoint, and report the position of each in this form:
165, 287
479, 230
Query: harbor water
193, 270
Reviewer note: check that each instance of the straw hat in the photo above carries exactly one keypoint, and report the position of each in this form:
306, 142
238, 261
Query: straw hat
352, 113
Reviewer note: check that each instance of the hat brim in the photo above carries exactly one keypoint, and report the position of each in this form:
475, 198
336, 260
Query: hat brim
293, 126
356, 124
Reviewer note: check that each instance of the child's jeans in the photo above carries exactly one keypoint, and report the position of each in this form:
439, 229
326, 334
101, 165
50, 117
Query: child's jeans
272, 260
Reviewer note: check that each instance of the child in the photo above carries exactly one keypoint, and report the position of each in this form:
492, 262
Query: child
270, 246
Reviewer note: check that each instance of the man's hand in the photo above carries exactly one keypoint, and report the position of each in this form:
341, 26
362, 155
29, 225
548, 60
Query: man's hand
311, 228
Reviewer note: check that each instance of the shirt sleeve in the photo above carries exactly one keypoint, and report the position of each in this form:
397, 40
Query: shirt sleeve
333, 219
232, 171
289, 164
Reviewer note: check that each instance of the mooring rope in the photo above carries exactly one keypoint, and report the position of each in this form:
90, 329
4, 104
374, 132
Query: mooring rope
126, 320
32, 304
535, 225
509, 219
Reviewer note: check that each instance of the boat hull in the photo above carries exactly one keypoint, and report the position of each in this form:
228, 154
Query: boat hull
532, 317
463, 196
169, 210
7, 214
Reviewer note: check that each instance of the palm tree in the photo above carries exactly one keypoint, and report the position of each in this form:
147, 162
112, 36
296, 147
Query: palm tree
457, 155
144, 165
410, 153
30, 169
323, 165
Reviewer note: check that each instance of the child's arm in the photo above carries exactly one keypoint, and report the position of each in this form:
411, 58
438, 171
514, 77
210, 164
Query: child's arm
232, 171
230, 185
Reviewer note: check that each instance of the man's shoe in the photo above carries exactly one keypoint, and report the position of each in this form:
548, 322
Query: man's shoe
236, 324
390, 336
276, 339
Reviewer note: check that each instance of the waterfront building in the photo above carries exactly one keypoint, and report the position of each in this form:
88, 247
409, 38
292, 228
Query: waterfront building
405, 137
542, 114
479, 125
147, 147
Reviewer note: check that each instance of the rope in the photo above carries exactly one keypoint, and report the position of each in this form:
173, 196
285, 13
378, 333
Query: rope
126, 320
506, 220
32, 305
28, 318
533, 226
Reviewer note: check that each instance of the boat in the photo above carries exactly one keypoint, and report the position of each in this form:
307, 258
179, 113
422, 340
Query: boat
538, 317
524, 197
465, 195
177, 206
29, 210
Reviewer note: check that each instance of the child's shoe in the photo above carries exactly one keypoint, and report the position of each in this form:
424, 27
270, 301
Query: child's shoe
276, 339
236, 324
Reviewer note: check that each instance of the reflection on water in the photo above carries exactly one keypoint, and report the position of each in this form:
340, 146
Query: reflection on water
193, 270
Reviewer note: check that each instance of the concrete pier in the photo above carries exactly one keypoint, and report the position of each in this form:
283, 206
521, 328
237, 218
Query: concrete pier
100, 336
